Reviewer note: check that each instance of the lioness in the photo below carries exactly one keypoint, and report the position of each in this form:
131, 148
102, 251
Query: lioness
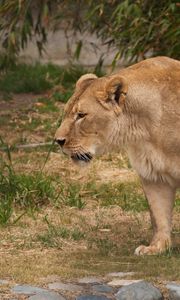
139, 108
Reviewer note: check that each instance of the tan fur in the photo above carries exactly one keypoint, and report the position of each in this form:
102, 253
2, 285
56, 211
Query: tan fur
137, 108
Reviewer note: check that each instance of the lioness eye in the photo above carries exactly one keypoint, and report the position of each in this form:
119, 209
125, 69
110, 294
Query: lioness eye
81, 115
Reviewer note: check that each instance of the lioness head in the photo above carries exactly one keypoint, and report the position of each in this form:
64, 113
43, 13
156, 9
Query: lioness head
92, 117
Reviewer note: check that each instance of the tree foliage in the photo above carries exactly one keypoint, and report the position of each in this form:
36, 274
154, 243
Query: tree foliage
135, 27
138, 27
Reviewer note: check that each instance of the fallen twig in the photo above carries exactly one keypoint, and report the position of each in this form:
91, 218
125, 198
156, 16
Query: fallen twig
34, 145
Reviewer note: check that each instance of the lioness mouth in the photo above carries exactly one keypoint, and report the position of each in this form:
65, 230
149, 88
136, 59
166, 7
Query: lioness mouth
86, 157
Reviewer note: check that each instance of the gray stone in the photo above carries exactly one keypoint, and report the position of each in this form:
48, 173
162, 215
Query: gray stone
65, 287
120, 274
122, 282
89, 280
47, 296
174, 291
92, 297
102, 288
4, 282
139, 291
27, 289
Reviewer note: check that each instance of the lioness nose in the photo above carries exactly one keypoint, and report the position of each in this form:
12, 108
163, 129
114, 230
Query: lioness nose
61, 142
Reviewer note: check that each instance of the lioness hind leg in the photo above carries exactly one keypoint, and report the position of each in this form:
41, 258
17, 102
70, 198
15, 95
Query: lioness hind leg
161, 199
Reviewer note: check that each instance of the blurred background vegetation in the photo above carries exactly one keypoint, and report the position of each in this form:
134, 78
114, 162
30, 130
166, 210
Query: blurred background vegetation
135, 28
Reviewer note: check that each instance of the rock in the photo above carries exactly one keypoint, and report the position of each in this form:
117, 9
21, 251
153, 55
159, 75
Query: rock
4, 282
122, 282
89, 280
92, 297
120, 274
47, 296
27, 289
102, 288
139, 291
174, 291
65, 287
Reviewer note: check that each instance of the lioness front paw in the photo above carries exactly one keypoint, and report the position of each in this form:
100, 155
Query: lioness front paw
147, 250
150, 250
157, 246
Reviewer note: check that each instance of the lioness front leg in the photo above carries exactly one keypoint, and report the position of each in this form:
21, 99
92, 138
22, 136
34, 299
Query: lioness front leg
160, 197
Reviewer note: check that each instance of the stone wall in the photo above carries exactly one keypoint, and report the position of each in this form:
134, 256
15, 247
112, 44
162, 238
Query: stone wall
61, 47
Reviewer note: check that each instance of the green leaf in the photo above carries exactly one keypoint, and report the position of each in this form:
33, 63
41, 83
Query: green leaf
78, 49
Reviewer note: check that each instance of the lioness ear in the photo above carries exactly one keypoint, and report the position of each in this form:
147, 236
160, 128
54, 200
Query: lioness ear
116, 88
85, 80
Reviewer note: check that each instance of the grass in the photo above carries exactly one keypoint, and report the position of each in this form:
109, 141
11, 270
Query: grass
71, 196
31, 191
28, 192
70, 244
45, 104
4, 119
38, 78
62, 97
78, 230
54, 236
128, 196
24, 78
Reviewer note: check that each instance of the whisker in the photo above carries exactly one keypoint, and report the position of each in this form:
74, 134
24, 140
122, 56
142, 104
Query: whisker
83, 156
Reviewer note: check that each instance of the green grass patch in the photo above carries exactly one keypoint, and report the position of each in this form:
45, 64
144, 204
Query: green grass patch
31, 124
70, 195
103, 246
28, 192
55, 235
24, 78
129, 196
39, 124
38, 78
62, 97
31, 191
47, 105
